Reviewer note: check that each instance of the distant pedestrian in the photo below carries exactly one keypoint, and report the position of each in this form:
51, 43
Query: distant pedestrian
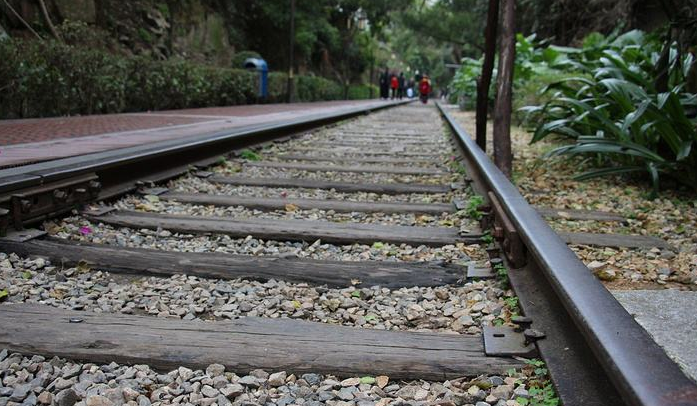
384, 82
410, 88
402, 85
424, 89
394, 85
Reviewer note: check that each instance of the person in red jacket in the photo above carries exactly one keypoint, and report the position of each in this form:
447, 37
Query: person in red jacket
424, 88
394, 85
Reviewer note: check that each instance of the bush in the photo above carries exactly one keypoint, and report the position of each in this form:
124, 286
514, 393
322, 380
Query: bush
310, 88
531, 92
278, 87
361, 92
615, 115
47, 78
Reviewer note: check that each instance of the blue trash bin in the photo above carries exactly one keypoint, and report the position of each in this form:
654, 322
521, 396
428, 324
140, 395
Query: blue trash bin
260, 66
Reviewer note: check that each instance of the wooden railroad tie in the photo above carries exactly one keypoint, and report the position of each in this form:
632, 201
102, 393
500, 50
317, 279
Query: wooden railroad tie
142, 261
374, 160
381, 188
290, 230
395, 152
345, 168
271, 203
244, 344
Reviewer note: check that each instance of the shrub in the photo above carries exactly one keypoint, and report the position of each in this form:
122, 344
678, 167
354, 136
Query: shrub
310, 88
616, 116
360, 92
47, 78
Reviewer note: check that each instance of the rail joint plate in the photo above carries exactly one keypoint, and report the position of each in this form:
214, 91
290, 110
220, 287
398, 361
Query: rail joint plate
506, 342
506, 233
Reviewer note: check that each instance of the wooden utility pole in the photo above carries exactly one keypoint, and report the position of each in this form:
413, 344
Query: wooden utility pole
484, 80
291, 57
504, 89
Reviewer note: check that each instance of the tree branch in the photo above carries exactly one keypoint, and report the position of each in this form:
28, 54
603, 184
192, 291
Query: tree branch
19, 17
51, 27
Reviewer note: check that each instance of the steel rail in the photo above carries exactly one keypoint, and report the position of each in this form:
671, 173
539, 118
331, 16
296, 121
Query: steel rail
118, 171
33, 174
640, 371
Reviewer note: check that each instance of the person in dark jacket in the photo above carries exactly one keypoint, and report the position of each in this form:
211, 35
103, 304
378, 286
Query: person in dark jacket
384, 82
402, 85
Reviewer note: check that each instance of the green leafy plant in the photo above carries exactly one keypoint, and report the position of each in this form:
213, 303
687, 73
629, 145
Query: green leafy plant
487, 238
50, 78
613, 114
512, 303
538, 365
250, 155
472, 208
501, 273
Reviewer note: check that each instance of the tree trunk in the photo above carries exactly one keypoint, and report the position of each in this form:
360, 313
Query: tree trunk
502, 111
484, 81
51, 27
662, 65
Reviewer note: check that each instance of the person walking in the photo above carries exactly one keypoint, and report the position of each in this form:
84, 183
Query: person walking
384, 84
424, 89
394, 85
402, 85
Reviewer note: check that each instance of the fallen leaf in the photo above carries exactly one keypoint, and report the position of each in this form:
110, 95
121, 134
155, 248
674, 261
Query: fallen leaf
382, 381
83, 266
368, 380
291, 207
26, 275
152, 198
145, 207
56, 294
3, 294
350, 382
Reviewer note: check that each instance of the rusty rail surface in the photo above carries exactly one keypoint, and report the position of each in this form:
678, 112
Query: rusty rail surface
595, 351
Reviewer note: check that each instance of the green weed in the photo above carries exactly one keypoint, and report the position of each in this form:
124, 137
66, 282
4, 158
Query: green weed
250, 155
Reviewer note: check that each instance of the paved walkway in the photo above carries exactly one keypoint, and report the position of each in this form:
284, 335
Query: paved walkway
42, 139
670, 317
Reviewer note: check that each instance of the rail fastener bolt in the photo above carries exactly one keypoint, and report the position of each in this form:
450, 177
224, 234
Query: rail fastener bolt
532, 335
94, 187
60, 196
522, 323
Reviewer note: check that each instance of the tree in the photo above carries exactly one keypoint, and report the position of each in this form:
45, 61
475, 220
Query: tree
502, 112
484, 80
454, 22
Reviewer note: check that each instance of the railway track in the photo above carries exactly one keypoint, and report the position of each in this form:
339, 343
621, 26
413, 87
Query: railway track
348, 261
